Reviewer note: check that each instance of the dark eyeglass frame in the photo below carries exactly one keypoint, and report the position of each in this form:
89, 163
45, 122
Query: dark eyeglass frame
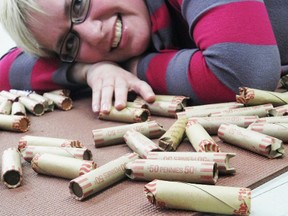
75, 19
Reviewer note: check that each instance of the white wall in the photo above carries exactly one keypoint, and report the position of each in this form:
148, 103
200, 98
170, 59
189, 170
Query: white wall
5, 41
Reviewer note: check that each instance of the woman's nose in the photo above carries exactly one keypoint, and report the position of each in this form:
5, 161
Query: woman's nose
90, 31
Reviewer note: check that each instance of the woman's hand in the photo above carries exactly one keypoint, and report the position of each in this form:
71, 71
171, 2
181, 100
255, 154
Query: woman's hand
107, 79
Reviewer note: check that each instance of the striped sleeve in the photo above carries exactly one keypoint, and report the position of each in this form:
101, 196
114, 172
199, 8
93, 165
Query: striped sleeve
20, 70
235, 46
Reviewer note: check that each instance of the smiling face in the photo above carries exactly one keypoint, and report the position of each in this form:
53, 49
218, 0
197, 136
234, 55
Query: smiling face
112, 31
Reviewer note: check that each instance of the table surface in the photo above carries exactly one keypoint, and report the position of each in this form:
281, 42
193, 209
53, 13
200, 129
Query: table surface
42, 195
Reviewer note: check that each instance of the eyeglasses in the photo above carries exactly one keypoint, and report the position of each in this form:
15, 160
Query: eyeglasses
70, 46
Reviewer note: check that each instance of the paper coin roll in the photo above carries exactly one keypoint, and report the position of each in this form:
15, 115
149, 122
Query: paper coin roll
260, 111
64, 167
18, 109
198, 197
11, 168
250, 96
114, 135
14, 123
139, 143
275, 119
164, 105
277, 130
171, 139
262, 144
79, 153
199, 138
6, 107
48, 141
62, 102
207, 109
173, 170
212, 124
222, 159
127, 115
100, 178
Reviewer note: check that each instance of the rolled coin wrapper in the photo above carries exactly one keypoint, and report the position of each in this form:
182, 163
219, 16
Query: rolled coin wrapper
173, 170
100, 178
199, 138
250, 96
10, 96
206, 110
18, 109
171, 139
127, 115
138, 105
59, 166
231, 105
61, 102
212, 124
32, 106
199, 198
79, 153
11, 168
260, 111
262, 144
48, 142
139, 143
277, 130
14, 123
6, 107
114, 135
222, 159
279, 111
275, 119
167, 108
47, 103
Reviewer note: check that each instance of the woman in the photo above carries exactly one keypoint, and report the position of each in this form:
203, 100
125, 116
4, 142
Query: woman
202, 49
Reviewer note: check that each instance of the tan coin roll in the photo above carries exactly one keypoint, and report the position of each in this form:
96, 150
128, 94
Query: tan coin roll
262, 144
100, 178
279, 111
277, 130
127, 115
260, 111
168, 107
173, 170
207, 109
114, 135
32, 106
14, 123
250, 96
171, 139
273, 119
6, 107
11, 168
212, 124
48, 141
222, 159
64, 167
200, 198
80, 153
199, 138
62, 102
139, 143
18, 109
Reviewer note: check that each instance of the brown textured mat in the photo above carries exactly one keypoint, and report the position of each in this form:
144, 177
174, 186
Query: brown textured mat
43, 195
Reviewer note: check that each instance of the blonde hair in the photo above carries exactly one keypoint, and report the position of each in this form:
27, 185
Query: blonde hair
14, 16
